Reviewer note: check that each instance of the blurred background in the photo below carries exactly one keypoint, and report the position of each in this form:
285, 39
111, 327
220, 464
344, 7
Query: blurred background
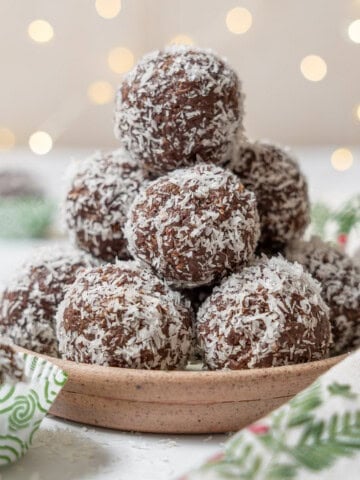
299, 63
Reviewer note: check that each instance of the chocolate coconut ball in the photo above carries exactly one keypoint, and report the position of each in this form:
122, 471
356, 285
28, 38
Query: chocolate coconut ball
124, 316
269, 314
101, 192
11, 363
28, 305
281, 192
193, 225
339, 277
178, 106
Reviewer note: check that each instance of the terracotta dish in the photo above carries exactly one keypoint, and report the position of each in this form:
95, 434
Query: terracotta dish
178, 401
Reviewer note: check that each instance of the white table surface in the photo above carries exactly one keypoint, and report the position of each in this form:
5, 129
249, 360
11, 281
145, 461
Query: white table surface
64, 451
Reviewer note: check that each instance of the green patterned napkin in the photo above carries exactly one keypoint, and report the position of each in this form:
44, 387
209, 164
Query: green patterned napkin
24, 404
315, 436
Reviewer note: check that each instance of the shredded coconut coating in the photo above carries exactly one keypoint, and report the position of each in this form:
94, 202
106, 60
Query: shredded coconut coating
194, 225
101, 191
269, 314
178, 106
124, 316
280, 188
11, 363
339, 277
29, 303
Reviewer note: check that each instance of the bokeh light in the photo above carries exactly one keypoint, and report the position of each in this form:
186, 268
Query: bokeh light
182, 39
100, 92
40, 31
7, 139
40, 143
238, 20
354, 31
357, 112
120, 59
342, 159
313, 68
108, 8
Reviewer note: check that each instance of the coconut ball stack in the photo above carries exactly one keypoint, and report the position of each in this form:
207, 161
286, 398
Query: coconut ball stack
187, 225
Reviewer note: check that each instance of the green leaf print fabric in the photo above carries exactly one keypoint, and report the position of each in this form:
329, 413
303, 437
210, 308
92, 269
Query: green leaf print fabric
24, 404
315, 436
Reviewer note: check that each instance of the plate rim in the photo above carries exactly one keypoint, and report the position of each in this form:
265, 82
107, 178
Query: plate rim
187, 387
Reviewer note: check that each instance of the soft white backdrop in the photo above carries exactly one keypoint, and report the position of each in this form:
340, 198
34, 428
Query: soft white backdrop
44, 86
